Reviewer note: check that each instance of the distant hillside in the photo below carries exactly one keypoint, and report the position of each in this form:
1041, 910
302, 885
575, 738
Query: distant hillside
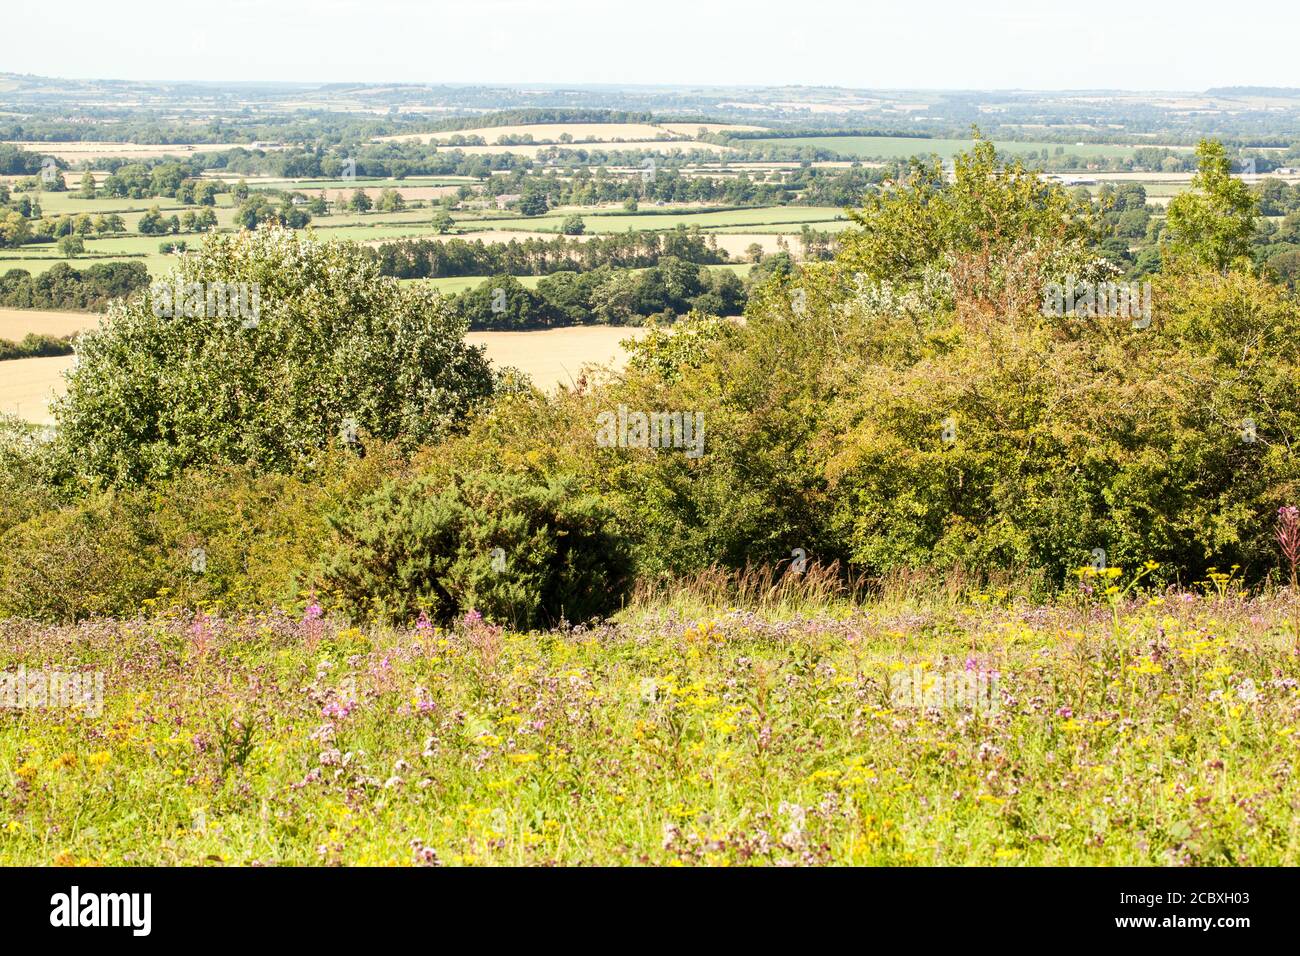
1288, 91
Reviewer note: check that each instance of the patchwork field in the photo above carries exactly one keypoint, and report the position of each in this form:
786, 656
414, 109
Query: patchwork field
80, 151
654, 146
545, 133
550, 133
731, 220
736, 229
901, 147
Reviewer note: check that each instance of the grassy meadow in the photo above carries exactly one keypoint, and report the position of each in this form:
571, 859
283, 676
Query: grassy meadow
318, 567
1160, 730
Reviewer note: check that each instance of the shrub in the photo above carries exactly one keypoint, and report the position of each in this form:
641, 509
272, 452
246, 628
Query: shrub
228, 536
334, 348
35, 345
909, 405
26, 488
517, 550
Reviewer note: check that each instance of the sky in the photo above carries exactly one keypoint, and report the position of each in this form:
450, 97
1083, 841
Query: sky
927, 44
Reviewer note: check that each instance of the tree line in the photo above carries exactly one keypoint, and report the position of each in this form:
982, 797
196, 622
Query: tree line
436, 259
63, 287
603, 296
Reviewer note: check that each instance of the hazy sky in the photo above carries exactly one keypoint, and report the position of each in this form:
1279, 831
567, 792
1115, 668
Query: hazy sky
1134, 44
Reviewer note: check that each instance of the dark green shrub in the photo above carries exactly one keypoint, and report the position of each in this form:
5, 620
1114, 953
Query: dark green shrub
35, 345
519, 551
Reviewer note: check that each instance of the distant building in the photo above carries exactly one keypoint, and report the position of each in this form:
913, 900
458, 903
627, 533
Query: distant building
507, 198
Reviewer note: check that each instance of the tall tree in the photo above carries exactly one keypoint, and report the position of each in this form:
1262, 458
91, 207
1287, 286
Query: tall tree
1210, 226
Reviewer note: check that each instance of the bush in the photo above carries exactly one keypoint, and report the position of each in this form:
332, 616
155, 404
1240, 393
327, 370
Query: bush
227, 536
909, 405
26, 488
36, 345
70, 563
431, 545
327, 348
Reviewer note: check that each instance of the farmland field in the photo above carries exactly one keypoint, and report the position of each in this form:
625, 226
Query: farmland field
27, 386
82, 151
733, 220
15, 323
736, 229
157, 263
530, 150
547, 133
902, 147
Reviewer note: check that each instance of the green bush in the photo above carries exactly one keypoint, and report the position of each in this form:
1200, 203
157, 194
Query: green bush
518, 551
330, 350
35, 345
26, 482
231, 536
909, 405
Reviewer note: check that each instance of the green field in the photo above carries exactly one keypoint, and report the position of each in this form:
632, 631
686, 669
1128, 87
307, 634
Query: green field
409, 224
303, 185
901, 147
732, 220
157, 263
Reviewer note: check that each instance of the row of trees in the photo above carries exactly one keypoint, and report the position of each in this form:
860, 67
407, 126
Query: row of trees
444, 258
604, 295
63, 287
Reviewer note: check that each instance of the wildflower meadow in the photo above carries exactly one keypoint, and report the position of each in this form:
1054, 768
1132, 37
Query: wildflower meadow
1130, 727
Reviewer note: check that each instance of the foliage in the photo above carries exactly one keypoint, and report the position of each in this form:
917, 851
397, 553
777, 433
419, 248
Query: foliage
63, 287
35, 345
909, 404
1211, 225
516, 551
229, 536
333, 348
